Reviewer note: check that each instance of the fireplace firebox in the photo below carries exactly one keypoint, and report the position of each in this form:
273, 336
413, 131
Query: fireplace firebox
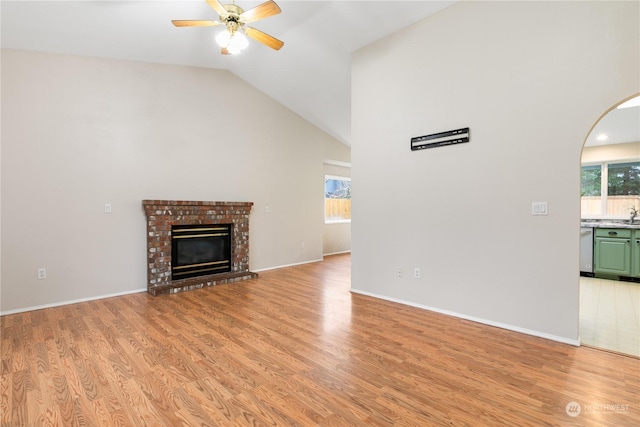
199, 250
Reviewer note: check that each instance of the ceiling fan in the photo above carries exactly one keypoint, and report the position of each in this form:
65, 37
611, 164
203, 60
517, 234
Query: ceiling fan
232, 40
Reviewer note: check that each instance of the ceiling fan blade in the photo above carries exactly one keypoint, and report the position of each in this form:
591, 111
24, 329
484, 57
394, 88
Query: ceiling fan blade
263, 38
261, 11
218, 7
183, 23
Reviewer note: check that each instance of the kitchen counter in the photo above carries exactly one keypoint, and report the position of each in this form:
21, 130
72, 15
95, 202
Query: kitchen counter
608, 223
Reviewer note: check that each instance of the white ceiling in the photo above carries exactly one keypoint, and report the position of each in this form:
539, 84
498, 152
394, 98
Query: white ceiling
310, 74
620, 125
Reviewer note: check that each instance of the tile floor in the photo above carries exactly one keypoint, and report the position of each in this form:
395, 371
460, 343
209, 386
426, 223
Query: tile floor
610, 315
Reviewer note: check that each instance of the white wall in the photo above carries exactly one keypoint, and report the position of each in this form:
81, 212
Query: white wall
81, 132
530, 79
612, 152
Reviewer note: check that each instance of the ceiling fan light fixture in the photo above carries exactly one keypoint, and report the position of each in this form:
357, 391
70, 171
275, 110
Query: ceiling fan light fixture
234, 43
238, 42
222, 38
232, 40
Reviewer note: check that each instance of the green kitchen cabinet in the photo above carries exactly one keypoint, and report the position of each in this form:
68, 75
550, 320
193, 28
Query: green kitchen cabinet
635, 254
613, 251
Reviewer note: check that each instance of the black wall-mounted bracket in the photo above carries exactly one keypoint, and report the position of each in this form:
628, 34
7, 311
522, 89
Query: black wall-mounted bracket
440, 139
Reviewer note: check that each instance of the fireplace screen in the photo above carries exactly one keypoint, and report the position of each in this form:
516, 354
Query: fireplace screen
199, 250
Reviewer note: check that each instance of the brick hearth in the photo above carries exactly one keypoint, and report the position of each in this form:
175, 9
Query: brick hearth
162, 214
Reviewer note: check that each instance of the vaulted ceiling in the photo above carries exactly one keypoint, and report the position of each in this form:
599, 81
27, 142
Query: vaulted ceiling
310, 74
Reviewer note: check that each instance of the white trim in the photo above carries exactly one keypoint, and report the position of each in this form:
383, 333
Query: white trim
288, 265
476, 319
337, 163
337, 177
75, 301
348, 251
337, 221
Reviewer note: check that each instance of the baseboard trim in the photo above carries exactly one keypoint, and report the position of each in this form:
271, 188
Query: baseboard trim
508, 327
75, 301
135, 291
287, 265
348, 251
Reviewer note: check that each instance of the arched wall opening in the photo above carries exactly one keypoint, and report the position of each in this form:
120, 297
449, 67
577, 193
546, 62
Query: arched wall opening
610, 233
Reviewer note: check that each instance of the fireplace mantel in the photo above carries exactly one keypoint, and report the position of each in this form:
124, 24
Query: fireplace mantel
162, 214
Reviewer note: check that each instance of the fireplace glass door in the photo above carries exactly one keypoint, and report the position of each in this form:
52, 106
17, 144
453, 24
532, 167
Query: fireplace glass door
200, 250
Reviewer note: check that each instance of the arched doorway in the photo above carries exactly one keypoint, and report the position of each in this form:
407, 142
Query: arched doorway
610, 194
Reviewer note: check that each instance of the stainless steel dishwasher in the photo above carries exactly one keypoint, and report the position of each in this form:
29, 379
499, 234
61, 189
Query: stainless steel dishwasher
586, 251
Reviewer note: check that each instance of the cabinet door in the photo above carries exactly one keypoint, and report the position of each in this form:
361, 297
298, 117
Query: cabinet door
635, 254
613, 256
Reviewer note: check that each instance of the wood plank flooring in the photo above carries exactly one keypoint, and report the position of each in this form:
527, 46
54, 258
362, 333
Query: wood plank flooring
295, 348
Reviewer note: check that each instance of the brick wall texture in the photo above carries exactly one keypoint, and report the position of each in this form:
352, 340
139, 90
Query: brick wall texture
162, 214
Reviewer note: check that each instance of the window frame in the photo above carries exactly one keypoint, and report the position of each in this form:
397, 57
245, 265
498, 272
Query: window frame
604, 188
335, 178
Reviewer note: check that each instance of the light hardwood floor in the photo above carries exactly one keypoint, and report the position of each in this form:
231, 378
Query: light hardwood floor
295, 348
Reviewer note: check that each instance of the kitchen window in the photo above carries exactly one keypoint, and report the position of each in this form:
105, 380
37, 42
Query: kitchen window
610, 189
337, 199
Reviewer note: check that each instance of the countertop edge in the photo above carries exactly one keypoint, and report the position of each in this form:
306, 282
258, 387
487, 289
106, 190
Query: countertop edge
602, 224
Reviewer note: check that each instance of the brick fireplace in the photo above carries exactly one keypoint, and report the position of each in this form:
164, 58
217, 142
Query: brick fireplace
163, 214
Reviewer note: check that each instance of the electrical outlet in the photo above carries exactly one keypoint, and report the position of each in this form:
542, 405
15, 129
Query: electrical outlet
539, 208
399, 272
416, 273
107, 208
42, 273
